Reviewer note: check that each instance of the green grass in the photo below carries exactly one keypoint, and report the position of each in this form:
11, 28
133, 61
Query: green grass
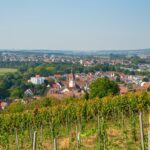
3, 71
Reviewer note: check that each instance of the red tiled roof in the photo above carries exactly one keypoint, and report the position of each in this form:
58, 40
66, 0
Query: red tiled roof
55, 86
146, 84
58, 75
123, 89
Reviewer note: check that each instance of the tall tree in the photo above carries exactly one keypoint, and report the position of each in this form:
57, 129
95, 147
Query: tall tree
102, 87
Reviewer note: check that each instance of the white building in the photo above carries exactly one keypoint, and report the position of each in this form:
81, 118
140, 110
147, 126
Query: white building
71, 81
37, 80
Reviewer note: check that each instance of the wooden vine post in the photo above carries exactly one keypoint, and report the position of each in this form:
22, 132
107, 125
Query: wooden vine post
104, 134
17, 141
148, 139
98, 124
53, 133
141, 129
41, 137
77, 137
34, 140
55, 144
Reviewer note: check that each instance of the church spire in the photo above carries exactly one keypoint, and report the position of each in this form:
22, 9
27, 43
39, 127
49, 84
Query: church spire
71, 80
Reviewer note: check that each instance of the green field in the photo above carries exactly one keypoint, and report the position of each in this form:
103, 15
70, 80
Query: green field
7, 70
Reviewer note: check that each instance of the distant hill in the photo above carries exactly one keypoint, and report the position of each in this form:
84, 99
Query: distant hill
79, 52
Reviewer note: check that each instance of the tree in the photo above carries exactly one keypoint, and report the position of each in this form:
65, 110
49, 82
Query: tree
117, 78
16, 92
3, 89
145, 79
86, 95
102, 87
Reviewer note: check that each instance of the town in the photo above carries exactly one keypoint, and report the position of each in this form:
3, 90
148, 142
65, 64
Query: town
77, 84
131, 74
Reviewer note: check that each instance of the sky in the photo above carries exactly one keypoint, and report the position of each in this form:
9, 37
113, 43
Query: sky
74, 24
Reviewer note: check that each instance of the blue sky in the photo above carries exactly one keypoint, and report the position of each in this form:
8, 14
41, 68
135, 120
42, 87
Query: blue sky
74, 24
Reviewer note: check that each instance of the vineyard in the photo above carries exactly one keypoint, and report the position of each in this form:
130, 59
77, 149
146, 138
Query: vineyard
113, 122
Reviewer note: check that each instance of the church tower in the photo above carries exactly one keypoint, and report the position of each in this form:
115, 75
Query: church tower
71, 80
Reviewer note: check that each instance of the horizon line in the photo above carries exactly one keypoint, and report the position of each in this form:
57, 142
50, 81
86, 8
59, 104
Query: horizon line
24, 49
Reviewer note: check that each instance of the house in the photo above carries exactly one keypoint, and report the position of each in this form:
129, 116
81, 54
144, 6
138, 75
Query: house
28, 92
3, 105
37, 80
137, 87
65, 90
145, 84
123, 89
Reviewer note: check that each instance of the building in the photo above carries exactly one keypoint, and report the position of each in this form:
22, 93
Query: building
123, 89
72, 81
28, 92
37, 80
3, 105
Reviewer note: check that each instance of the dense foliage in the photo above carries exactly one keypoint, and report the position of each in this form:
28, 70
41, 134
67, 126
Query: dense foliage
102, 87
43, 111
